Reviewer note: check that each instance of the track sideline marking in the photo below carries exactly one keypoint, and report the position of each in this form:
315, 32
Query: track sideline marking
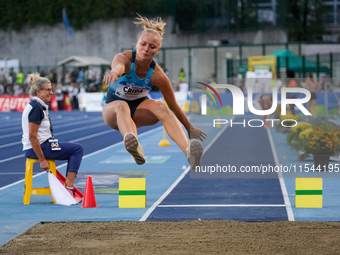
12, 173
61, 123
59, 133
288, 205
166, 193
226, 205
17, 182
86, 156
75, 140
15, 157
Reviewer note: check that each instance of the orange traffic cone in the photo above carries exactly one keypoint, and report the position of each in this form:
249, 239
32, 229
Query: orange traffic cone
89, 198
67, 103
54, 103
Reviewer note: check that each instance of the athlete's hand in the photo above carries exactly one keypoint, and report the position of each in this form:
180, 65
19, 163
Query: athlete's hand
197, 133
110, 78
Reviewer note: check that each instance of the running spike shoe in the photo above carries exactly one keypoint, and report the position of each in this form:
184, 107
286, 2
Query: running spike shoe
134, 148
194, 153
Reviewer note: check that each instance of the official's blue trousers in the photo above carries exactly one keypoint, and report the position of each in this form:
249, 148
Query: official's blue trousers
72, 152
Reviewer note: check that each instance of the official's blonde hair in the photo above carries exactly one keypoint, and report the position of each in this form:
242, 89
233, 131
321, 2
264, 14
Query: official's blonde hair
153, 26
36, 83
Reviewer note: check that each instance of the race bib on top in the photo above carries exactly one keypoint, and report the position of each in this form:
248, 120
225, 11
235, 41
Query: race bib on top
131, 91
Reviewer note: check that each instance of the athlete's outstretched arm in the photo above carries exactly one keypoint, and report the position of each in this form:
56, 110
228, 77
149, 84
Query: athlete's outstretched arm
169, 97
120, 64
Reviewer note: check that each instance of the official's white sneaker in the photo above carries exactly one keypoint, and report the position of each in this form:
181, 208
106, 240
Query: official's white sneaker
134, 148
194, 153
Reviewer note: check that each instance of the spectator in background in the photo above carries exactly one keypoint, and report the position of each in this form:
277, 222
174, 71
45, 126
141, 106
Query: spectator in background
181, 75
9, 85
8, 90
20, 78
54, 79
278, 84
92, 75
13, 76
25, 86
2, 81
325, 84
67, 78
74, 97
60, 78
108, 70
82, 88
212, 80
165, 70
81, 76
60, 98
314, 87
265, 101
94, 82
43, 74
291, 83
241, 86
175, 85
258, 87
17, 90
74, 75
2, 76
183, 86
70, 93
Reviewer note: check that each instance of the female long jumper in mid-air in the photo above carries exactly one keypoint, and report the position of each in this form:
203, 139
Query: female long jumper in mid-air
127, 104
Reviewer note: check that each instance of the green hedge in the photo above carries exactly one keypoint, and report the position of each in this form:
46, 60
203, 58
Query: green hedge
17, 13
303, 18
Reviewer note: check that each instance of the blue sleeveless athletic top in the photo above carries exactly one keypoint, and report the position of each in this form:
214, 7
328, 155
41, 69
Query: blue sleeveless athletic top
129, 87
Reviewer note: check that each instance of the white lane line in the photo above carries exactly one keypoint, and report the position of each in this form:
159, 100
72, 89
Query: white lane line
88, 155
217, 136
221, 205
57, 126
17, 182
65, 132
10, 144
289, 209
166, 193
153, 207
12, 173
75, 140
94, 135
59, 133
11, 158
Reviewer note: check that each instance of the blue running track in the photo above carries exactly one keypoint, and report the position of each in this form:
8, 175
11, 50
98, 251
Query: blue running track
174, 192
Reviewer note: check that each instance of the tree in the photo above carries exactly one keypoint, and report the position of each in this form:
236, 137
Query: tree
305, 19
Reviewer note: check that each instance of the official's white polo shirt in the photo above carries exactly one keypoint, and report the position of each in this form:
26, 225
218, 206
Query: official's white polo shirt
37, 112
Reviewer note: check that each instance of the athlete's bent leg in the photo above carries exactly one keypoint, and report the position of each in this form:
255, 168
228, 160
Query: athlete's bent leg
117, 115
161, 112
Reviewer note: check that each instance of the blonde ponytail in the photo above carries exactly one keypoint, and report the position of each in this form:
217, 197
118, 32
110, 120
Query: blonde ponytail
155, 26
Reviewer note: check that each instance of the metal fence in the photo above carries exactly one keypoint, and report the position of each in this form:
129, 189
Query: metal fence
224, 64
